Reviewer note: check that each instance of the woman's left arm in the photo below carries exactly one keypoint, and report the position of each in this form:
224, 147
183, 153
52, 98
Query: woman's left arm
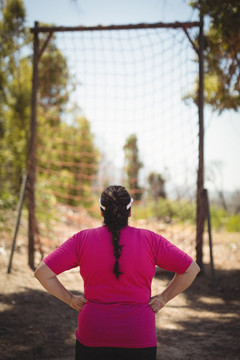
50, 282
179, 283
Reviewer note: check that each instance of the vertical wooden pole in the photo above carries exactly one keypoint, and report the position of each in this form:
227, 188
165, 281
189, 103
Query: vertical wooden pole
31, 166
208, 215
19, 212
200, 177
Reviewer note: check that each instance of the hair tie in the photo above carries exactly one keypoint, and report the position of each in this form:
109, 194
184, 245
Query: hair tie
129, 205
101, 206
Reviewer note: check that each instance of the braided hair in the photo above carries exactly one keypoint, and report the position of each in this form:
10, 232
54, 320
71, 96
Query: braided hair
114, 200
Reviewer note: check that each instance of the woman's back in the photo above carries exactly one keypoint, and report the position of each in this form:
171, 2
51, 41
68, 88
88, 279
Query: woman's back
137, 265
117, 263
117, 313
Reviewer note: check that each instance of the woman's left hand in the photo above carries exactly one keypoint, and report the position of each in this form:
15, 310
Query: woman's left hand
157, 302
77, 302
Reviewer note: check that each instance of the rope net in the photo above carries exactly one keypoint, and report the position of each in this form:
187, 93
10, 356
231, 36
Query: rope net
120, 118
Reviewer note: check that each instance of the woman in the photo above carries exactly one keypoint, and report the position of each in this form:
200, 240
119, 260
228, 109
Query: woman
117, 262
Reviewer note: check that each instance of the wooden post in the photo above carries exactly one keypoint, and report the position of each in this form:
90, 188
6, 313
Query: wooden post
208, 215
19, 212
31, 166
200, 177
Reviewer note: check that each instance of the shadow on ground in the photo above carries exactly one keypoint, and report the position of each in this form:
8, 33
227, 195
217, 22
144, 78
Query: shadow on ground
36, 326
212, 331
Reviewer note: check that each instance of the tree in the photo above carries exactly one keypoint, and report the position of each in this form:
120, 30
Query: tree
13, 151
12, 38
73, 158
14, 93
68, 160
156, 186
222, 53
81, 152
133, 165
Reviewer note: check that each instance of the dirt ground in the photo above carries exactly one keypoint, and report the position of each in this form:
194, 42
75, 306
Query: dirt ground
201, 323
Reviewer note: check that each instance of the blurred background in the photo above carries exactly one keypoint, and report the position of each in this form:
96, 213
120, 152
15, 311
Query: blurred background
119, 107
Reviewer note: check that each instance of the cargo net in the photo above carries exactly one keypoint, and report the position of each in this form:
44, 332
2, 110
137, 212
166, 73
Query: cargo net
112, 109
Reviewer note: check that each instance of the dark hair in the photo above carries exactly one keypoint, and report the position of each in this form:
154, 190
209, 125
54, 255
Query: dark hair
115, 200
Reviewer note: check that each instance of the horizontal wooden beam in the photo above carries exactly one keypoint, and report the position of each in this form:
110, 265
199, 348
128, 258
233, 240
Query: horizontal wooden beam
174, 25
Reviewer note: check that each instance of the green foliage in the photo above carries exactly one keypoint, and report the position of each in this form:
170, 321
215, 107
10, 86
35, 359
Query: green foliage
14, 100
222, 52
133, 165
233, 223
12, 38
166, 210
46, 211
71, 159
222, 220
218, 217
68, 167
65, 149
183, 211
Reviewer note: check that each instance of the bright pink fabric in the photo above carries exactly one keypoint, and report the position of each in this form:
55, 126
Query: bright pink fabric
117, 313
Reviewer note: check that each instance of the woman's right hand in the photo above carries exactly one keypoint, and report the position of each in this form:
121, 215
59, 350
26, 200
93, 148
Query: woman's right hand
77, 302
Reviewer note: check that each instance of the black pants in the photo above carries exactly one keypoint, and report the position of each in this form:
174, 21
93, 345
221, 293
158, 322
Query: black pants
107, 353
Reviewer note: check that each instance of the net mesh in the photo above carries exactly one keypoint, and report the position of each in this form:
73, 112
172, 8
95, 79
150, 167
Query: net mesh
124, 84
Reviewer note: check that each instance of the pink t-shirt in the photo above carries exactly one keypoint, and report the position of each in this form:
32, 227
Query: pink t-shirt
117, 313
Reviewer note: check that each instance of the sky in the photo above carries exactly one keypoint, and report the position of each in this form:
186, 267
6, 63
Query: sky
222, 133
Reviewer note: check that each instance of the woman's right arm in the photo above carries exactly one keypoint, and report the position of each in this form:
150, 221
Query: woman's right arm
179, 283
50, 282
